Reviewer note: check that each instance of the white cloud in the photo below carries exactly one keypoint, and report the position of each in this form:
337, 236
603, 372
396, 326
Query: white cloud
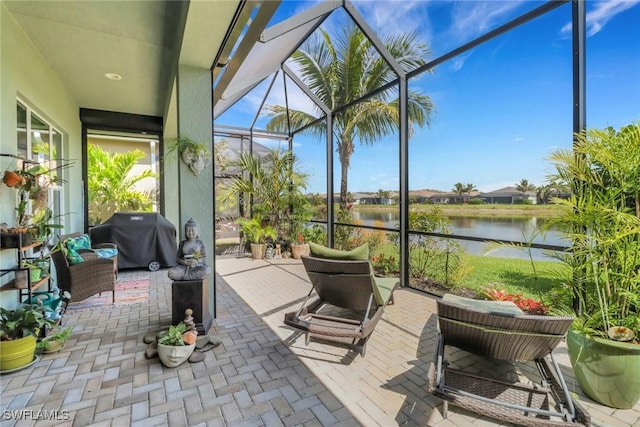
600, 16
393, 17
471, 19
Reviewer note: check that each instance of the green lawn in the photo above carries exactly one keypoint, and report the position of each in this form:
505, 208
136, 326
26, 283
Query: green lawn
514, 275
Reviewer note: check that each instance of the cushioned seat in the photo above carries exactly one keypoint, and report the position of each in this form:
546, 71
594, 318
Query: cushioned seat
343, 283
77, 243
499, 330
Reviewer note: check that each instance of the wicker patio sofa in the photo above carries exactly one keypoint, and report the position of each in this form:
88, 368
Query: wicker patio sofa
499, 330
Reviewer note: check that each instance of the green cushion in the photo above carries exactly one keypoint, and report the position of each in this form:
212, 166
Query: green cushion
383, 287
361, 253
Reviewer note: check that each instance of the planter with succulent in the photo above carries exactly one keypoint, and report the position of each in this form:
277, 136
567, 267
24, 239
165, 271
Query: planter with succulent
256, 231
54, 342
176, 345
602, 220
18, 331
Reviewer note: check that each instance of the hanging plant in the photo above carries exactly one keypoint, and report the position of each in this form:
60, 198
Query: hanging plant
195, 154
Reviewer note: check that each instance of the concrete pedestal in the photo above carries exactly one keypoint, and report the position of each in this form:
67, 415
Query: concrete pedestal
193, 294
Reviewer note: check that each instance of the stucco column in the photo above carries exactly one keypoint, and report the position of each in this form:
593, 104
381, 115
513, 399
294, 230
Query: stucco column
196, 192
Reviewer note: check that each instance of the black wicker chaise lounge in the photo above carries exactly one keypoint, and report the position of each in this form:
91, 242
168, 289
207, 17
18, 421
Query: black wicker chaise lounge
344, 284
499, 330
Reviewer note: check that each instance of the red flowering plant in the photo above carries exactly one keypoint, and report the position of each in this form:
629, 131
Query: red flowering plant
300, 238
385, 264
528, 305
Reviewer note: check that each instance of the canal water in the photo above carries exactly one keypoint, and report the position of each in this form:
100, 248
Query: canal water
513, 229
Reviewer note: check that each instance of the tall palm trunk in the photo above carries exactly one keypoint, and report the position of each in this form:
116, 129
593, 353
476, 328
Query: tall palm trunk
345, 150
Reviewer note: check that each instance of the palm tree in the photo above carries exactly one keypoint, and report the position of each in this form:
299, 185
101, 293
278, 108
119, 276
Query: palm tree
523, 186
459, 188
345, 70
468, 188
111, 183
383, 194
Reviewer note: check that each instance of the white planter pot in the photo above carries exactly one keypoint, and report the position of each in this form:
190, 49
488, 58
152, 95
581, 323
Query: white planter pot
174, 355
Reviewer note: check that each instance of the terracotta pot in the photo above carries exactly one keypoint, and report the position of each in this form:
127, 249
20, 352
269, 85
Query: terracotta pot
12, 179
298, 250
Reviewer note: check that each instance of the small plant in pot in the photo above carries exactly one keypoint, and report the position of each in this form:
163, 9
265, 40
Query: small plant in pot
602, 220
176, 345
18, 331
54, 342
257, 232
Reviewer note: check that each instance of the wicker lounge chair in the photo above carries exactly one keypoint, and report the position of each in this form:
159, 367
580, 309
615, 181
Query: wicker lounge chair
499, 330
344, 284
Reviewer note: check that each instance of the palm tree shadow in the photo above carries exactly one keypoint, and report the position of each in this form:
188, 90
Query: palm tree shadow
418, 407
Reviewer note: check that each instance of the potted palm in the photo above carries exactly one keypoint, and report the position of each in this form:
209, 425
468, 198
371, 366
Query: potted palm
176, 345
602, 220
256, 231
18, 331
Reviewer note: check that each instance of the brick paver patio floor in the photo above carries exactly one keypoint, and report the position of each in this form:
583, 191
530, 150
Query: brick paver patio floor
261, 375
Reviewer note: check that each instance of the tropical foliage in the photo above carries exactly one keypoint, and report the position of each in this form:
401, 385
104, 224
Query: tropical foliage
274, 183
342, 71
603, 224
112, 183
462, 189
524, 185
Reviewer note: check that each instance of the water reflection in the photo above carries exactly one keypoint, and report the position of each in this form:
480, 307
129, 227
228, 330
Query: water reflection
514, 229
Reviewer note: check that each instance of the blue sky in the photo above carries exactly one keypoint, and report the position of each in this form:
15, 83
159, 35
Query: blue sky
500, 109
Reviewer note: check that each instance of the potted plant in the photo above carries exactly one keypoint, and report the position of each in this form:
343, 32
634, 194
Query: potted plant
18, 331
299, 247
13, 179
256, 231
176, 345
602, 220
195, 154
54, 342
299, 216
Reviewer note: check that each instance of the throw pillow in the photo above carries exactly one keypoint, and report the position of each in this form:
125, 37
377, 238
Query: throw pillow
72, 246
79, 243
73, 257
361, 253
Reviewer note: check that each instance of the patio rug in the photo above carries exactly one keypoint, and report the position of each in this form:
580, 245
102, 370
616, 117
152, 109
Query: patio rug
128, 291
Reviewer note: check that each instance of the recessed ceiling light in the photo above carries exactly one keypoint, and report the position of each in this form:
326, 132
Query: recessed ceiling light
113, 76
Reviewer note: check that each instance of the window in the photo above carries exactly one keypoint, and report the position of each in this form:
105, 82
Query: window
40, 143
